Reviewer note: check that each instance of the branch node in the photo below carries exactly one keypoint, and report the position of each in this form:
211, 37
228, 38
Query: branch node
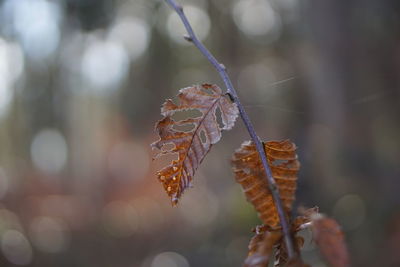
273, 187
179, 7
230, 96
222, 66
188, 38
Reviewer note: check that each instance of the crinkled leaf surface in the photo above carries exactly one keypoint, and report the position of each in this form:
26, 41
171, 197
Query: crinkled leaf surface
249, 172
193, 145
261, 247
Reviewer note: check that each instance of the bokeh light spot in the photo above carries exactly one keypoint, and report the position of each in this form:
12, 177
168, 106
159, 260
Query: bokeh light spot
199, 20
36, 24
169, 259
350, 210
49, 234
104, 65
133, 33
49, 151
256, 18
16, 248
11, 66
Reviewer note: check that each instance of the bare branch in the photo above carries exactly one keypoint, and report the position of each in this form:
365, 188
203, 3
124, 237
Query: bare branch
260, 148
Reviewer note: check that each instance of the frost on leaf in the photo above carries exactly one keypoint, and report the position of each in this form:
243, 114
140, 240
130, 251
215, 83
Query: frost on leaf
192, 145
249, 172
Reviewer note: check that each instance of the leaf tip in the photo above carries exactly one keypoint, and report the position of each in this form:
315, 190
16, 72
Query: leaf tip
174, 201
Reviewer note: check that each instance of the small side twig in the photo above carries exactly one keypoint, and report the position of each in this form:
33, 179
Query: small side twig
191, 37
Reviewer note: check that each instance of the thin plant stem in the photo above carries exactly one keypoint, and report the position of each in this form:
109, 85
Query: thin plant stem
191, 37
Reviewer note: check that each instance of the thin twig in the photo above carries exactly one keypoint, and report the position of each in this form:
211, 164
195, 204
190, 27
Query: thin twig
191, 37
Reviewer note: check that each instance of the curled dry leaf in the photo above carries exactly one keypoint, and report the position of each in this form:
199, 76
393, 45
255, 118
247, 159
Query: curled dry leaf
304, 219
193, 145
249, 172
261, 247
330, 240
268, 244
281, 254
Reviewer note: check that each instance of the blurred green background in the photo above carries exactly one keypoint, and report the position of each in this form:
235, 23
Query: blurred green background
81, 85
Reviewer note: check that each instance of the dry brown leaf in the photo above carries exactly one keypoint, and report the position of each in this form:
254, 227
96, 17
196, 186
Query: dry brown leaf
304, 219
330, 240
249, 172
261, 247
193, 145
268, 244
281, 253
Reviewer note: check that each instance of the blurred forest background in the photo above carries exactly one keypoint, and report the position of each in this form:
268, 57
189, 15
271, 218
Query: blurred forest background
81, 85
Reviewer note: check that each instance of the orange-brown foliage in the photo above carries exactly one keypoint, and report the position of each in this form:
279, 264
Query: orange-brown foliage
268, 242
330, 241
193, 145
249, 172
261, 247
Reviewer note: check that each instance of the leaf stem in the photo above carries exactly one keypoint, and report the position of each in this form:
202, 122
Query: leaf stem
191, 37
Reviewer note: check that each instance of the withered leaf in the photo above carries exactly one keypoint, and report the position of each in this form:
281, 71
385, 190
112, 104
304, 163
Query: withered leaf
281, 253
304, 219
330, 240
193, 145
261, 247
249, 172
268, 244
